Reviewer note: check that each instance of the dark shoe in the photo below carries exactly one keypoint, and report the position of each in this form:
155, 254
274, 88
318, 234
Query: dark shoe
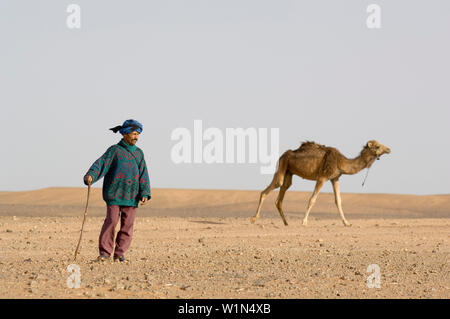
120, 258
102, 257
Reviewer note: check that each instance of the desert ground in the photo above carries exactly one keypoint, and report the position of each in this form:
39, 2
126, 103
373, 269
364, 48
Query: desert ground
201, 244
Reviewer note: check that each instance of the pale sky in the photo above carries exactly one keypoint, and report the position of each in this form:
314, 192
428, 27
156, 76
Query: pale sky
312, 69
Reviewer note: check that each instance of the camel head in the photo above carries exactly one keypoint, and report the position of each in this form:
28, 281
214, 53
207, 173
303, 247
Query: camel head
377, 149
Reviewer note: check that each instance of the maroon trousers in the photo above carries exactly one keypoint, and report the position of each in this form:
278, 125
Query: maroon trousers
127, 215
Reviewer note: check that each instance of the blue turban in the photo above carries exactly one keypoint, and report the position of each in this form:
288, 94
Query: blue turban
127, 127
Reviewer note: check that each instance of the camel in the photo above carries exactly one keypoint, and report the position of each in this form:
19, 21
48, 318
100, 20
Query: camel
319, 163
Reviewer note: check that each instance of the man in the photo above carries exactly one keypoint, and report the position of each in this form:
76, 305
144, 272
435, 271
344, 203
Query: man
126, 183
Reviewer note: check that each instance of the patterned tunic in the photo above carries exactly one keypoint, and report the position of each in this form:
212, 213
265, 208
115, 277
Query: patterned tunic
126, 176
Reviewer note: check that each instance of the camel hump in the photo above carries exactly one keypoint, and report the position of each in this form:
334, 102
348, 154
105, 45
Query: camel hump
310, 145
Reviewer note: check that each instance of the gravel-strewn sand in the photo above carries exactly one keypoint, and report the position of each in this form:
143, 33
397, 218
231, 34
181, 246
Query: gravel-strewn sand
201, 244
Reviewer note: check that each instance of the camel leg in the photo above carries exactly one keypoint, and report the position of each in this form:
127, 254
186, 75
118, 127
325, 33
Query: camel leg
287, 183
338, 200
278, 179
313, 198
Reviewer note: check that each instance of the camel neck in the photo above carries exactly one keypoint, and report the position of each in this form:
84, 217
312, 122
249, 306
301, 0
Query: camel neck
357, 164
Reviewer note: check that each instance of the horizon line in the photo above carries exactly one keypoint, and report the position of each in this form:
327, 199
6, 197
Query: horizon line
228, 189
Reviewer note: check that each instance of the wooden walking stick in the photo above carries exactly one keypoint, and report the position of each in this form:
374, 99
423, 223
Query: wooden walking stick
84, 219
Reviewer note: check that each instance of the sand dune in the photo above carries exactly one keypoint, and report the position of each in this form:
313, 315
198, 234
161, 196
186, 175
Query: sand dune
68, 201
